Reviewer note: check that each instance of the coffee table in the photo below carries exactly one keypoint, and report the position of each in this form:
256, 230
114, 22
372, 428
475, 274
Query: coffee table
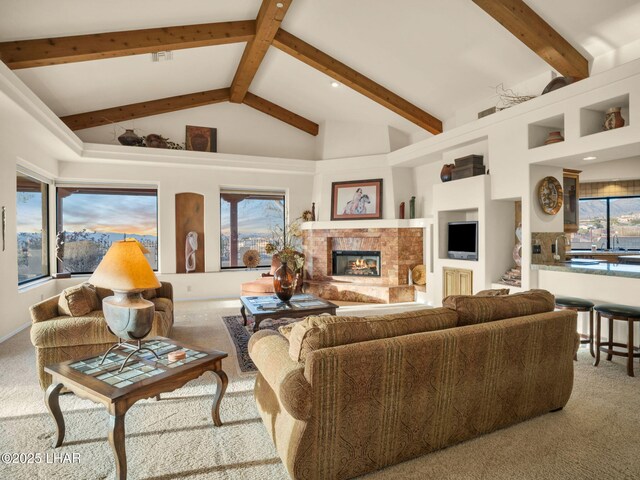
270, 306
144, 376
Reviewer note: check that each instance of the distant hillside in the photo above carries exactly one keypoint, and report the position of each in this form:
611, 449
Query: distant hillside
622, 206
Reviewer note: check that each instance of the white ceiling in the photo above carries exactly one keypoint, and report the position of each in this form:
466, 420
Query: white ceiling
439, 54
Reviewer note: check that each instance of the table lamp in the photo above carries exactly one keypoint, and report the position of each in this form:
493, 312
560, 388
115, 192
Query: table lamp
125, 270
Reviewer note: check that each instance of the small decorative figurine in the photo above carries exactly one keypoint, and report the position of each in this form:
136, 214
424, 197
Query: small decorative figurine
190, 248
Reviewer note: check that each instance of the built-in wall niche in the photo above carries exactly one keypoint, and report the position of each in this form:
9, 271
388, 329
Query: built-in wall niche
446, 217
592, 118
539, 131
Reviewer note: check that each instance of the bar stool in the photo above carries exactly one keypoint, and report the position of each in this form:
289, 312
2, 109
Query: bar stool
613, 312
579, 305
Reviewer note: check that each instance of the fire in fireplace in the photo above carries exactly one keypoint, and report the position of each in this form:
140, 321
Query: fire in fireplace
356, 263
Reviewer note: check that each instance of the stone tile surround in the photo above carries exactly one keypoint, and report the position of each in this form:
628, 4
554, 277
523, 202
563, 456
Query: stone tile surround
400, 249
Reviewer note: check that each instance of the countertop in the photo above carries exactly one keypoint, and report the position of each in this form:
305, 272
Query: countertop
602, 268
602, 252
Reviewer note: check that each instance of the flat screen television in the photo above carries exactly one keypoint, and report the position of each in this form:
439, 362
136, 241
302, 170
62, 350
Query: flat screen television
462, 240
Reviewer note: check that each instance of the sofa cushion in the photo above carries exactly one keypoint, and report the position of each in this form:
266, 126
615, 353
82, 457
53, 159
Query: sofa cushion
78, 300
71, 331
261, 285
317, 332
494, 292
472, 309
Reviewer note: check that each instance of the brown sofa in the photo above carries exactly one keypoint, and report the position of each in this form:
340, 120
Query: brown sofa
59, 336
344, 396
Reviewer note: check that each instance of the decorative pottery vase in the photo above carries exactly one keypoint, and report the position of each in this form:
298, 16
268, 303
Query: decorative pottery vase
613, 119
313, 212
284, 282
129, 138
401, 212
154, 140
445, 173
412, 207
554, 137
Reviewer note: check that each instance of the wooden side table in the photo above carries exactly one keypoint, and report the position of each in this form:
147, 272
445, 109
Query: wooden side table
143, 378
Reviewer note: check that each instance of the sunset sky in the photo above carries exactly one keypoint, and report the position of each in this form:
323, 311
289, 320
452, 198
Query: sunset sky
131, 214
254, 216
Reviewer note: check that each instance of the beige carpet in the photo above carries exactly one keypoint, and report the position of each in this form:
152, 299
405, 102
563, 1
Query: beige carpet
596, 436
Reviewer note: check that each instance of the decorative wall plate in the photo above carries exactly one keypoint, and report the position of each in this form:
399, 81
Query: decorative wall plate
550, 195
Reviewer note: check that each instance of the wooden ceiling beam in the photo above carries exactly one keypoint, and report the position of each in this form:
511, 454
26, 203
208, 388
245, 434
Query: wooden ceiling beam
344, 74
79, 48
267, 24
282, 114
145, 109
517, 17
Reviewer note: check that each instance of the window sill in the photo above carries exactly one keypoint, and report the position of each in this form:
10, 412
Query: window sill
25, 287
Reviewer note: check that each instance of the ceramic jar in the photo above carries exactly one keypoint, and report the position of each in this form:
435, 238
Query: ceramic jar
445, 173
554, 137
613, 119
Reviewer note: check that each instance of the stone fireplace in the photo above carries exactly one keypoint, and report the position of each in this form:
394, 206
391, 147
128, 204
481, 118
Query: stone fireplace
361, 264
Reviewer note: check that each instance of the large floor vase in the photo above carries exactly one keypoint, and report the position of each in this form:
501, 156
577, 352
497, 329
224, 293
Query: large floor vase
284, 282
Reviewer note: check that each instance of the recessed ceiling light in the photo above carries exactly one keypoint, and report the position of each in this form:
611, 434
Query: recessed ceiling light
589, 158
335, 84
279, 4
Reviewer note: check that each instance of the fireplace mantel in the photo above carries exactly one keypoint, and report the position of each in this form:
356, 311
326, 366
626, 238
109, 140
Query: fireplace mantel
354, 224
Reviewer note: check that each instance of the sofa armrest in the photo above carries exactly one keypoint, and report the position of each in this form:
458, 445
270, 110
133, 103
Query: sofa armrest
270, 352
45, 310
165, 290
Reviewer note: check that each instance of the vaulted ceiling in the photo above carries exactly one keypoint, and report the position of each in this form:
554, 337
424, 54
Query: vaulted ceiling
437, 56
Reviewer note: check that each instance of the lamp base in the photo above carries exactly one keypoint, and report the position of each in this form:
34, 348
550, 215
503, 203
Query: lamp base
128, 315
124, 345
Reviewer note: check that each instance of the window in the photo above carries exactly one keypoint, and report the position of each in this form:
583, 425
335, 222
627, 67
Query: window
91, 219
247, 222
608, 223
32, 213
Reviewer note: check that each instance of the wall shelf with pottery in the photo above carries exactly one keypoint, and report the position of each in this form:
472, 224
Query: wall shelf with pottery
613, 111
547, 131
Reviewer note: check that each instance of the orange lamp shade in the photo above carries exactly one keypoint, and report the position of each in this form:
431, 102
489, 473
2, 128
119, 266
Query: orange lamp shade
124, 268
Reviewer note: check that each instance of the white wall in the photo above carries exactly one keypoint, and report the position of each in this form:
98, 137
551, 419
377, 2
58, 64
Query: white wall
241, 130
625, 169
346, 139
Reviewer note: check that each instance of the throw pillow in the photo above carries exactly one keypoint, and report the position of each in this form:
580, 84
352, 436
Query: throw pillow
149, 294
472, 309
74, 301
92, 296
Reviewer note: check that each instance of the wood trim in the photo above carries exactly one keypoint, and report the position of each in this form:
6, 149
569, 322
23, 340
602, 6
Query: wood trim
276, 111
78, 48
145, 109
267, 24
319, 60
517, 17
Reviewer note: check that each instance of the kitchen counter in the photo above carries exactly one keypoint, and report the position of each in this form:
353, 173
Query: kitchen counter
601, 268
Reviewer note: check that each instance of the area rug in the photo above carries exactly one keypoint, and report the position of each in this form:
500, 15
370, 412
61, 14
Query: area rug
239, 335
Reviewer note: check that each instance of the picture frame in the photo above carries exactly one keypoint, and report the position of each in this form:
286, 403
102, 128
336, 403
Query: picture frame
201, 139
356, 199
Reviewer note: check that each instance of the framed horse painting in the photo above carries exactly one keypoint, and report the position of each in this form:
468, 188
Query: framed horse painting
356, 200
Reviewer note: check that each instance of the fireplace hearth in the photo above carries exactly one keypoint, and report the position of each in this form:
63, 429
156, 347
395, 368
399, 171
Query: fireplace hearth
356, 263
